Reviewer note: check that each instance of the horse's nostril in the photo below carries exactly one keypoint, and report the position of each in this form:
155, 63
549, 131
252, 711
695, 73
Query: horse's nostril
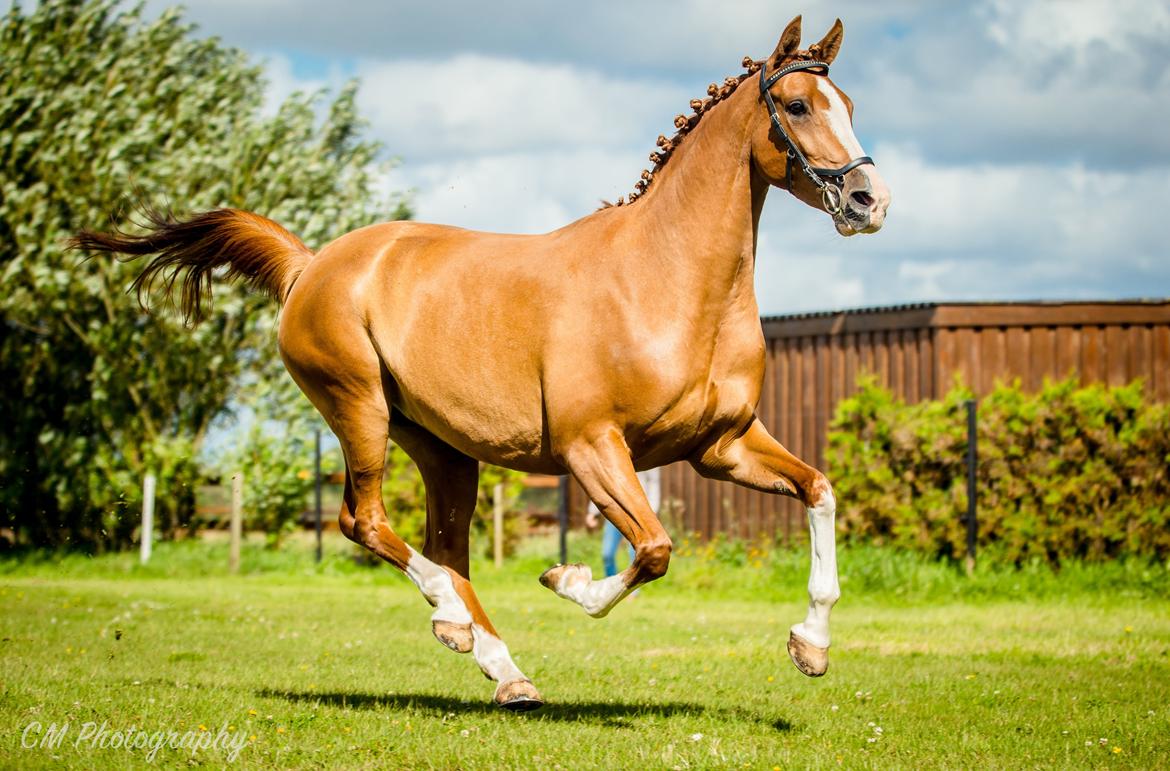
863, 198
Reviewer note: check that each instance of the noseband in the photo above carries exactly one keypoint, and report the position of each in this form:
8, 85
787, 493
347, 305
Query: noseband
828, 181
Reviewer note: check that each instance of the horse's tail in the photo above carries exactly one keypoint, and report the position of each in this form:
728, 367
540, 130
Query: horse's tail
269, 257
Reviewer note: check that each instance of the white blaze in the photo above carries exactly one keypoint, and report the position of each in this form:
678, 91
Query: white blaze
841, 126
838, 117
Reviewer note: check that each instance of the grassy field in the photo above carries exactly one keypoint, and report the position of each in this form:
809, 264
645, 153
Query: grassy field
334, 666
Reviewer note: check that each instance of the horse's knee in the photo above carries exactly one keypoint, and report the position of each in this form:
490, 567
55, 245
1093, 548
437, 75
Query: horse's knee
653, 558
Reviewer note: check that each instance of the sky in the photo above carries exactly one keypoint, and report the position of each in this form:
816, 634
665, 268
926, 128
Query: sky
1026, 142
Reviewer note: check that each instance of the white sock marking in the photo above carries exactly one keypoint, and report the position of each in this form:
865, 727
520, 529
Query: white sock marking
596, 597
492, 656
436, 585
823, 588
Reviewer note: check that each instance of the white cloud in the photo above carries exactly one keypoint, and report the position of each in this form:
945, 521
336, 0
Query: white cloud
475, 104
283, 82
1020, 167
523, 192
984, 232
1047, 28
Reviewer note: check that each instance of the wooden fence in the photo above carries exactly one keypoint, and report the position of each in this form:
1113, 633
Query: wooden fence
814, 360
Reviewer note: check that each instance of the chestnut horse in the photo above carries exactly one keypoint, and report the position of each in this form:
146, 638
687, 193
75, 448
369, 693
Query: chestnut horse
626, 340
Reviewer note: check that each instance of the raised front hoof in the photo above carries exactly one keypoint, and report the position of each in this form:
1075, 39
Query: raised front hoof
808, 658
457, 637
518, 696
551, 578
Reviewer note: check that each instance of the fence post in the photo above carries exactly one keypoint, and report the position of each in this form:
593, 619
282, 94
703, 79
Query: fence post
147, 535
972, 464
563, 517
498, 524
237, 522
317, 500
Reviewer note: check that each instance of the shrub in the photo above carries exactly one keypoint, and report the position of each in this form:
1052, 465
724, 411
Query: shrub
1066, 472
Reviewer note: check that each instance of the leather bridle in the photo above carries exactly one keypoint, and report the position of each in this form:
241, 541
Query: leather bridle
828, 181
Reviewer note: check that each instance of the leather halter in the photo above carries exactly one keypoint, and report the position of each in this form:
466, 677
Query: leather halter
828, 181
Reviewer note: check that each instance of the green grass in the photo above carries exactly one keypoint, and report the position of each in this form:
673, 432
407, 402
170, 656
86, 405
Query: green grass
334, 665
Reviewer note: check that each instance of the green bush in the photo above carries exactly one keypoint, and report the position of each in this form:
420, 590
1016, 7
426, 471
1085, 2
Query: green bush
1068, 472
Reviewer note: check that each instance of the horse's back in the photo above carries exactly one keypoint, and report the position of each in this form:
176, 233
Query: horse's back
446, 313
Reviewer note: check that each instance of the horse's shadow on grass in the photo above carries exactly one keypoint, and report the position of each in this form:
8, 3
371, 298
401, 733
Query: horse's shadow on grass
612, 713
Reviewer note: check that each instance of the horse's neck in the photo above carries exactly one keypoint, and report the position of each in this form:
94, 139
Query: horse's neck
701, 213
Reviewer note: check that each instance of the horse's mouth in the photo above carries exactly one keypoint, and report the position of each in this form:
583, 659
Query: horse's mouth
850, 222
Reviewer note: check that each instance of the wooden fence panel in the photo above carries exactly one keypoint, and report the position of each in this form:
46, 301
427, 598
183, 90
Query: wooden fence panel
814, 360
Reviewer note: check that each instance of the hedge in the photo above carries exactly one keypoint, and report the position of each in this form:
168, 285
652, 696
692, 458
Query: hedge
1067, 472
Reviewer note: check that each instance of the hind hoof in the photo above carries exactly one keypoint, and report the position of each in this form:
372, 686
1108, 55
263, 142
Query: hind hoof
808, 658
457, 637
518, 696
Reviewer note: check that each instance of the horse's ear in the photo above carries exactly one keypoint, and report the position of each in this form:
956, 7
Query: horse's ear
827, 49
789, 43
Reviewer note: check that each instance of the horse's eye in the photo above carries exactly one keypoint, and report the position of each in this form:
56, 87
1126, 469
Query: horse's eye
796, 108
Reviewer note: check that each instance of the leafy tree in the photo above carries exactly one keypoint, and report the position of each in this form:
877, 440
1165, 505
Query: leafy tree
96, 101
276, 454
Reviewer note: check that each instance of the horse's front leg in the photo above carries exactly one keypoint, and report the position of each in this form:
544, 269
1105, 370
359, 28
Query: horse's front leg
754, 459
601, 463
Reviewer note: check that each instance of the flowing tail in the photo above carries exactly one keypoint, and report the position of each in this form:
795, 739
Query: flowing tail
253, 247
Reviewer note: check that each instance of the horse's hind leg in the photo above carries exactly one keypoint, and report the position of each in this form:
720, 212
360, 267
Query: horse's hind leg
357, 411
452, 484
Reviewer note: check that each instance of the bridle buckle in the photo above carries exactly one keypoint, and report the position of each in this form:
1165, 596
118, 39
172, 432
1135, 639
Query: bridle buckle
831, 198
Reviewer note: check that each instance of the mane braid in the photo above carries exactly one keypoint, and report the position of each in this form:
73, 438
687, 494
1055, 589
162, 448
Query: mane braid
683, 124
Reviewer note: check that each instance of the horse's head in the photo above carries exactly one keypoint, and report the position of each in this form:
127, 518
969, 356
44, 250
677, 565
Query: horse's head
804, 139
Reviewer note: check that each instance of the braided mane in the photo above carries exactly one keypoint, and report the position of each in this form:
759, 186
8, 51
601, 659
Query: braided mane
683, 124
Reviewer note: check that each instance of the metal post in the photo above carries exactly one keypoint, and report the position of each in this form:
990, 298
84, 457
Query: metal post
237, 522
498, 524
317, 477
147, 536
972, 464
563, 518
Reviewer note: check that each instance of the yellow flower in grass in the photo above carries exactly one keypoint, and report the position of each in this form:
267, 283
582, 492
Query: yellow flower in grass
280, 729
253, 712
1116, 750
